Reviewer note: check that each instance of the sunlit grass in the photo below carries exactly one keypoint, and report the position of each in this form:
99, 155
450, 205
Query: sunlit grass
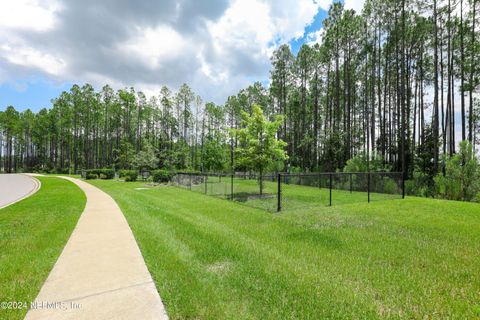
293, 196
33, 233
216, 259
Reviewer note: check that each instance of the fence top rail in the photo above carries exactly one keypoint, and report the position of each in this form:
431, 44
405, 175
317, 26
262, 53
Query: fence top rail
212, 174
286, 174
314, 174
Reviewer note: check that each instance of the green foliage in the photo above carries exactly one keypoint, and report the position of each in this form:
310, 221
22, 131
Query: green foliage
101, 173
128, 175
389, 186
91, 176
146, 158
214, 155
462, 175
259, 148
124, 155
211, 250
33, 233
421, 184
162, 176
181, 155
360, 163
424, 165
333, 156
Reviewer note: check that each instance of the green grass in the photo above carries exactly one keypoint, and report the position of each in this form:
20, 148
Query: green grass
33, 233
214, 259
294, 196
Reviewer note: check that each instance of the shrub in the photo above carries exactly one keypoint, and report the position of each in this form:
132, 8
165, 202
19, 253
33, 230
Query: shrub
462, 176
128, 175
109, 173
102, 173
162, 176
91, 176
421, 184
390, 186
122, 173
60, 170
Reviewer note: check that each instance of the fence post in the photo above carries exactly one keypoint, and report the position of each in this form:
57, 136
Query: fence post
190, 182
403, 186
279, 193
368, 183
231, 187
330, 189
351, 183
206, 178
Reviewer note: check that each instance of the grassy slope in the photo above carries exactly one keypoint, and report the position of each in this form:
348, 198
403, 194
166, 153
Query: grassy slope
33, 233
214, 259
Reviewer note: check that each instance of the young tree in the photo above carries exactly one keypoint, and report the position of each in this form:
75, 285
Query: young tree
259, 148
146, 158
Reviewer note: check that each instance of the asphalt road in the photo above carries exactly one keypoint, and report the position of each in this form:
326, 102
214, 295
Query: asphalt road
14, 187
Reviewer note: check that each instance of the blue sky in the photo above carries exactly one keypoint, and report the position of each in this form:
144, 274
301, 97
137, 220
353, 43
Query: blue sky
64, 46
31, 94
316, 25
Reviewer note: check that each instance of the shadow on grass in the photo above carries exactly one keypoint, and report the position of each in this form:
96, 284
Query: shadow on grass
248, 196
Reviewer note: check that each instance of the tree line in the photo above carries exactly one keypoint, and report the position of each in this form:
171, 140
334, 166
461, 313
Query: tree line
391, 83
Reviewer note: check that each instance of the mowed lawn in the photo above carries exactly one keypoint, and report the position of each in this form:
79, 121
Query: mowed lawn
293, 195
216, 259
33, 233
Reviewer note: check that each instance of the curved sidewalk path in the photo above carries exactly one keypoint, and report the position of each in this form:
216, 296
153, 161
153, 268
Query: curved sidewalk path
101, 273
15, 187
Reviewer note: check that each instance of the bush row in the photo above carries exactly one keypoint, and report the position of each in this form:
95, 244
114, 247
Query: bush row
128, 175
159, 176
100, 173
162, 176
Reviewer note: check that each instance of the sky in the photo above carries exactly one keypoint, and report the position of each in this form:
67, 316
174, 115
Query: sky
216, 46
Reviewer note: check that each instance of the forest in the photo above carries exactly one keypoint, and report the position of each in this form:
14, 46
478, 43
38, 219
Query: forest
396, 85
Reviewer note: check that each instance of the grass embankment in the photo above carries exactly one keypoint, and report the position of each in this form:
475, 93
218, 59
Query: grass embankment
33, 233
215, 259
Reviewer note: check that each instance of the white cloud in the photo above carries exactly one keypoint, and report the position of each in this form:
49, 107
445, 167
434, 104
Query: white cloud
154, 45
356, 5
315, 37
28, 14
290, 17
30, 57
216, 46
250, 30
244, 22
325, 4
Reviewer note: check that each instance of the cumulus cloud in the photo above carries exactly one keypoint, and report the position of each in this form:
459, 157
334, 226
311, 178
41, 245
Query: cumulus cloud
356, 5
315, 37
216, 46
28, 14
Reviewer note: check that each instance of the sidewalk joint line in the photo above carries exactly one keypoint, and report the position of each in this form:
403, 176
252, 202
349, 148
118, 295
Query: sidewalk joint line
106, 291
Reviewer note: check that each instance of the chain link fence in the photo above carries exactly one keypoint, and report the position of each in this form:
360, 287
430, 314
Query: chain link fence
287, 191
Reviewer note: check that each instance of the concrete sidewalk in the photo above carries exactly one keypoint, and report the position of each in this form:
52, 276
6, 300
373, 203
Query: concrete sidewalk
101, 273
